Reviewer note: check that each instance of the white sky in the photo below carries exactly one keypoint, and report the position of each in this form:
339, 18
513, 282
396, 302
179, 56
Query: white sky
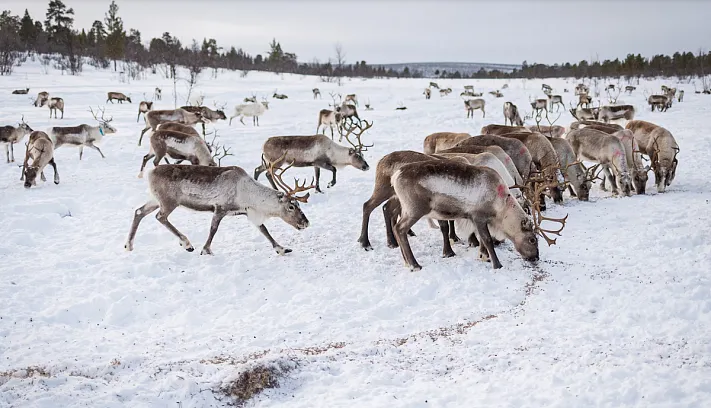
418, 30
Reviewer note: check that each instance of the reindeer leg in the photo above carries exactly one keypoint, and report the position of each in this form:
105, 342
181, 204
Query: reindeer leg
42, 175
97, 149
142, 132
139, 214
258, 171
317, 173
230, 123
401, 228
280, 250
452, 234
143, 165
487, 242
570, 190
162, 217
54, 166
7, 153
378, 197
445, 228
391, 212
218, 215
271, 181
327, 166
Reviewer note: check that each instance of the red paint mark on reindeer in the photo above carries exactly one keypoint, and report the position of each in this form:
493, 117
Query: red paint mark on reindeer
501, 190
508, 159
523, 150
617, 153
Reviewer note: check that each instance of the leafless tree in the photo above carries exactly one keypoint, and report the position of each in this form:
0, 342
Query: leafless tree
340, 62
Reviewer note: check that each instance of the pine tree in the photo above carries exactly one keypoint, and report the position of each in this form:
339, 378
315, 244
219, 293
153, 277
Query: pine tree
116, 35
28, 32
59, 22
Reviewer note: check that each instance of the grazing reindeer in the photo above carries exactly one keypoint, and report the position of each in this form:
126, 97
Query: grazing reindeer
638, 172
608, 128
445, 190
156, 117
498, 130
316, 151
629, 89
82, 135
607, 150
681, 95
9, 135
442, 140
662, 102
434, 85
427, 93
473, 104
223, 191
56, 104
659, 144
328, 118
578, 177
544, 157
548, 131
42, 98
515, 149
511, 114
554, 100
539, 105
179, 146
158, 94
316, 92
118, 96
254, 109
21, 91
207, 114
144, 107
497, 151
41, 151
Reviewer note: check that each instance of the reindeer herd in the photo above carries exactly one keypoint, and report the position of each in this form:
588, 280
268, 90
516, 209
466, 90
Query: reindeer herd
485, 188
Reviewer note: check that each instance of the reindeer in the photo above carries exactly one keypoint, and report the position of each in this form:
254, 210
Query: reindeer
544, 157
552, 131
316, 151
554, 100
118, 96
515, 149
21, 91
351, 98
328, 118
608, 128
469, 88
427, 93
468, 94
584, 114
629, 89
442, 140
584, 99
659, 144
42, 98
82, 135
158, 94
316, 92
610, 87
505, 86
498, 130
681, 95
473, 104
578, 177
252, 99
546, 88
637, 170
662, 102
41, 151
445, 190
156, 117
607, 150
254, 109
9, 135
581, 89
434, 85
278, 95
343, 108
144, 107
178, 145
222, 191
56, 104
511, 114
539, 105
496, 94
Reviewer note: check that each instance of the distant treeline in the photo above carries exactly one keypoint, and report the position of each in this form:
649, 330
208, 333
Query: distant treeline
107, 41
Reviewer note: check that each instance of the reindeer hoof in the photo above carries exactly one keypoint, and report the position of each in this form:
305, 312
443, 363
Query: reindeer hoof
366, 245
497, 265
187, 245
140, 175
206, 251
128, 247
415, 268
411, 233
448, 254
282, 250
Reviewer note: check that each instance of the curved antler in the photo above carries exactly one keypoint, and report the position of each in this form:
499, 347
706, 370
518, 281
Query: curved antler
276, 173
357, 129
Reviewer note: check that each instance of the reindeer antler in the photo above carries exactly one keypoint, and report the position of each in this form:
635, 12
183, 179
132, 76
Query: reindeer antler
590, 174
102, 120
359, 128
276, 174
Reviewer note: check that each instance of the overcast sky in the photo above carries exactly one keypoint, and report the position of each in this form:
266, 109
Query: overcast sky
417, 31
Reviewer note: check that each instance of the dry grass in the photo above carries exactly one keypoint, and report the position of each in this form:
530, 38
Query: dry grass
254, 380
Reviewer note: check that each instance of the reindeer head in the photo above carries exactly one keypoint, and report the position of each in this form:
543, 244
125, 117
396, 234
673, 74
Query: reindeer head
289, 209
520, 230
355, 154
29, 173
265, 102
104, 124
24, 127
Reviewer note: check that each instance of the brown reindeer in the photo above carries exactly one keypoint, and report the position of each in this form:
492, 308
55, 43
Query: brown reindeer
156, 117
144, 107
56, 104
9, 135
659, 144
41, 151
117, 96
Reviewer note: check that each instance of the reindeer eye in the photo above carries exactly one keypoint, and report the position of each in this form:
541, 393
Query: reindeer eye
532, 240
291, 207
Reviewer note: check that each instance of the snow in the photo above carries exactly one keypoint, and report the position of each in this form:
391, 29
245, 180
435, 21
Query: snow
618, 313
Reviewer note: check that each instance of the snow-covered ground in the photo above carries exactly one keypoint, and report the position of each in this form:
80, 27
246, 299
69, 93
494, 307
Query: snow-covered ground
618, 314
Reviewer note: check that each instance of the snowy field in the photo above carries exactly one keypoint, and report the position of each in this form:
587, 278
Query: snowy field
618, 314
